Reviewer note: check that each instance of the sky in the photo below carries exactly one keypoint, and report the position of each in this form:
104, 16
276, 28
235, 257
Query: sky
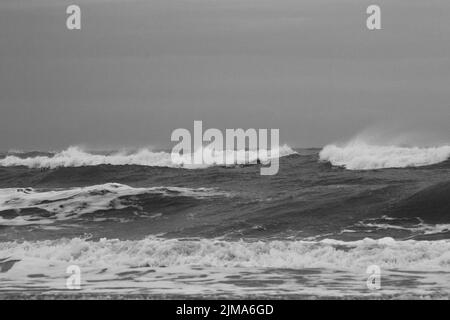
138, 69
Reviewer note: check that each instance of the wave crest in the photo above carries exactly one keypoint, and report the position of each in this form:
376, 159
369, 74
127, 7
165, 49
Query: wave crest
359, 155
76, 157
71, 203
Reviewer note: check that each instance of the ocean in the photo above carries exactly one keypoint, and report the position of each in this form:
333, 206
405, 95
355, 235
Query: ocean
138, 226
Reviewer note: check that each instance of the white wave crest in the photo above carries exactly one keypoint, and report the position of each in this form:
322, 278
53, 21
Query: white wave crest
358, 155
76, 157
71, 203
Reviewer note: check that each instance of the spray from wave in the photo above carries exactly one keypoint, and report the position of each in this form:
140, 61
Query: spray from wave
76, 157
360, 155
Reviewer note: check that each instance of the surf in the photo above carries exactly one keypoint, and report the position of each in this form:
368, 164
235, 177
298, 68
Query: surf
158, 252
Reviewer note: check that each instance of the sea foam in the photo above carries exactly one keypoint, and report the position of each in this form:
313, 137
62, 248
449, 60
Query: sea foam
156, 267
157, 252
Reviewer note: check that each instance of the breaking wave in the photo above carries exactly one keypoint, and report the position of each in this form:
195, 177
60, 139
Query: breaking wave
358, 155
156, 252
76, 157
63, 204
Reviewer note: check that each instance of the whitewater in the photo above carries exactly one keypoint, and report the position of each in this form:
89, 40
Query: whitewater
207, 267
359, 155
77, 157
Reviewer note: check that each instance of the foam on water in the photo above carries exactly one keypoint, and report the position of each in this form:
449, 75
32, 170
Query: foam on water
157, 252
208, 267
421, 228
414, 226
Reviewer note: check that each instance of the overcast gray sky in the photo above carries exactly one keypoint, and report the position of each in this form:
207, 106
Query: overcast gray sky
139, 69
